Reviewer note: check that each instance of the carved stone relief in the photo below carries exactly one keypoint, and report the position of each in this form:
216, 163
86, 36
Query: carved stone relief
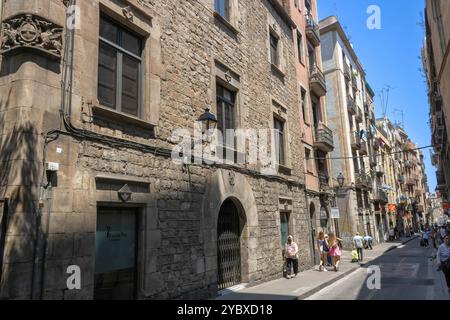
28, 31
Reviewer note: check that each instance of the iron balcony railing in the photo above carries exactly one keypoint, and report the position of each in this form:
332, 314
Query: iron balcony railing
363, 150
317, 80
323, 180
362, 180
356, 141
312, 30
351, 105
347, 73
440, 178
359, 115
324, 138
380, 196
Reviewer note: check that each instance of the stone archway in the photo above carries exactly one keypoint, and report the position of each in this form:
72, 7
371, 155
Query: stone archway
222, 186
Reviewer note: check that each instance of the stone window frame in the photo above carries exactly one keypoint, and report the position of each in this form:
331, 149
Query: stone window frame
229, 79
144, 22
309, 164
279, 112
233, 22
273, 29
306, 115
301, 53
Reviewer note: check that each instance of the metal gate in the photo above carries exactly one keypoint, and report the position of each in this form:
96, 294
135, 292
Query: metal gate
228, 246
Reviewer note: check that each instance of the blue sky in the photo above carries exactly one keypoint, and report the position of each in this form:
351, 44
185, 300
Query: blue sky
391, 58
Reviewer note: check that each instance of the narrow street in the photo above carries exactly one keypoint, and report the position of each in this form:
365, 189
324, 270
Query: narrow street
407, 273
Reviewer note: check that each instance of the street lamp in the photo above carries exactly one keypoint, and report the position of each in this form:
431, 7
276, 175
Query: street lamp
340, 178
208, 120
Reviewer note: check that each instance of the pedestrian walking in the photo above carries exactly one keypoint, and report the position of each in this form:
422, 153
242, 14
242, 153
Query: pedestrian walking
425, 237
368, 240
433, 235
335, 250
291, 254
391, 234
323, 249
443, 260
442, 233
329, 262
358, 244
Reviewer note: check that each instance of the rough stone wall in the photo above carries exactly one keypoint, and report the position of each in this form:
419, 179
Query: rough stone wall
175, 263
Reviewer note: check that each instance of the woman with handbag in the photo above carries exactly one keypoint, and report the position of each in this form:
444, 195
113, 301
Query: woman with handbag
323, 249
443, 259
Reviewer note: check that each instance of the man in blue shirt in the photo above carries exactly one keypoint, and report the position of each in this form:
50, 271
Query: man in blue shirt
368, 241
358, 243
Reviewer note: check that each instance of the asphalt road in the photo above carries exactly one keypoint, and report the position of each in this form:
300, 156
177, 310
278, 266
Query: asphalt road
407, 273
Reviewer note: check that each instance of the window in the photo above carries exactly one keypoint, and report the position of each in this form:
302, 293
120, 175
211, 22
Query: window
279, 140
303, 102
274, 59
284, 227
119, 69
222, 7
225, 110
300, 47
308, 160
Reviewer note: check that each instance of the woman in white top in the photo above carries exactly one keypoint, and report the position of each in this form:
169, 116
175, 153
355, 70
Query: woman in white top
443, 255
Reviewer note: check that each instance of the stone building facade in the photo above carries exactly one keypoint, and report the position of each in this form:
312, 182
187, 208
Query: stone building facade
316, 136
345, 101
436, 57
87, 118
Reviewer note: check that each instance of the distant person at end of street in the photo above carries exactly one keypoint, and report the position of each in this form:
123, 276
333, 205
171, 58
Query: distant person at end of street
368, 240
335, 250
291, 254
391, 234
358, 243
324, 249
443, 260
443, 233
426, 237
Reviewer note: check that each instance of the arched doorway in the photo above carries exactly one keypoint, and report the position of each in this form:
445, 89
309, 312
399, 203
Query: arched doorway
229, 230
312, 215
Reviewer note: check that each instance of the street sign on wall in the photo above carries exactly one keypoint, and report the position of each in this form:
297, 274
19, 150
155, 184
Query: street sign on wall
334, 213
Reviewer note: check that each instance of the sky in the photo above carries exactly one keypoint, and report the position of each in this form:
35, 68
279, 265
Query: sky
391, 59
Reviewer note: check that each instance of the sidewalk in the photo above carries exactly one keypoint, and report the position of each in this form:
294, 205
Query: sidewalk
311, 281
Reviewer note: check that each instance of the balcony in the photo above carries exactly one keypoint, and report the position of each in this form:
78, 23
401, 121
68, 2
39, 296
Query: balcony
410, 181
440, 179
376, 144
373, 161
380, 196
323, 181
347, 73
418, 192
359, 115
436, 102
356, 141
372, 117
351, 105
317, 81
409, 164
324, 138
354, 82
364, 150
379, 170
312, 30
362, 180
